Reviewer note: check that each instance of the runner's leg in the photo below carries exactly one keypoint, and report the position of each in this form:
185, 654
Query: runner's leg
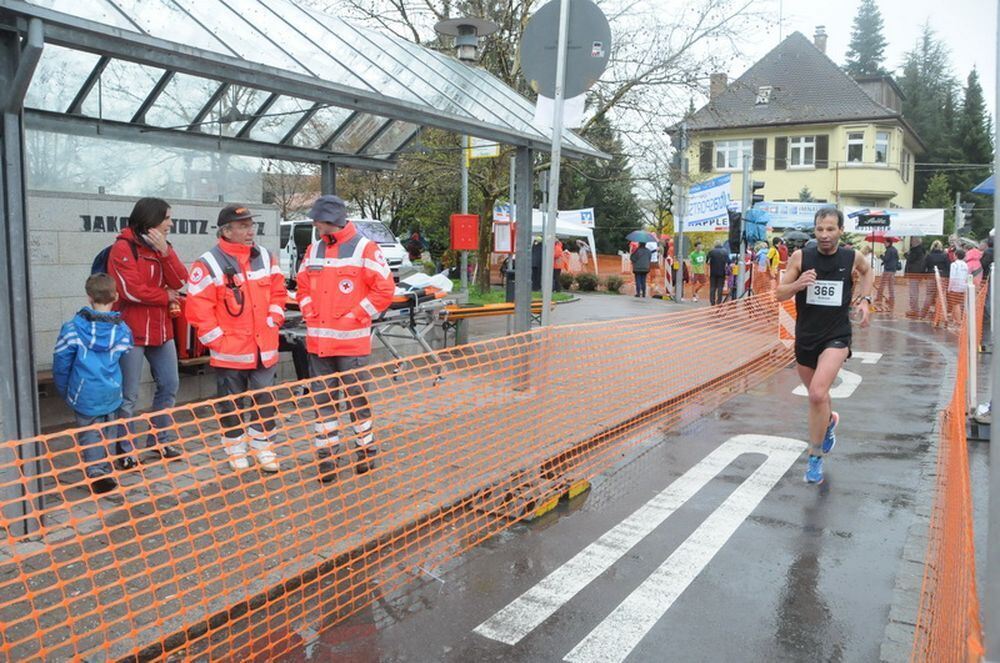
818, 382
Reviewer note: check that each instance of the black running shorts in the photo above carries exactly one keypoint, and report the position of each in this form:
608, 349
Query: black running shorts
809, 357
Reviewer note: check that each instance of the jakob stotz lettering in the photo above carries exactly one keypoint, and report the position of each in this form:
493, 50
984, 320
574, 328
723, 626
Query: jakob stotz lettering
114, 224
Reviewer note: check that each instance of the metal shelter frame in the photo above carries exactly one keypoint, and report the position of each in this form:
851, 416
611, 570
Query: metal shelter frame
251, 70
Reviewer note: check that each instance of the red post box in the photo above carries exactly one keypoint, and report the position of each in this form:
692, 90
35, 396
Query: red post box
465, 232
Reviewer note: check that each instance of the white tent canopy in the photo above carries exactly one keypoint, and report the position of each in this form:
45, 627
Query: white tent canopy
565, 229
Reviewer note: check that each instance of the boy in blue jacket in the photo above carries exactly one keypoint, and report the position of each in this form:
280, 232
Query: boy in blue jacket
87, 374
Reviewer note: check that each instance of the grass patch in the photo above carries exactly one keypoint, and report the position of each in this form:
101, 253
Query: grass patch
499, 296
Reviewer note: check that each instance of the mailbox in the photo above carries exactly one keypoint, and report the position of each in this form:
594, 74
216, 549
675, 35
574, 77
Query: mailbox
465, 232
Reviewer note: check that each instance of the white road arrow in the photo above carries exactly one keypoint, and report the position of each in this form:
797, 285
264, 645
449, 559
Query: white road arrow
849, 380
610, 641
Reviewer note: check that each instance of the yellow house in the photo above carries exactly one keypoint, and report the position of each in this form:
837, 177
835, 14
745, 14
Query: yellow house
804, 123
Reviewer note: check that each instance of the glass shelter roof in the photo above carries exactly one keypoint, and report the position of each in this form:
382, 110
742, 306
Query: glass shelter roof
262, 78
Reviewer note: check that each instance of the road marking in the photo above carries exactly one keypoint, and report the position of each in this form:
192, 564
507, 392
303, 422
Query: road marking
615, 638
849, 380
528, 611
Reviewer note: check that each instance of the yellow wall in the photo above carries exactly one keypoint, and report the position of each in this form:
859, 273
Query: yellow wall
867, 183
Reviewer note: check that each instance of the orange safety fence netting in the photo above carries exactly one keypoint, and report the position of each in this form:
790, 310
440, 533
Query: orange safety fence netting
948, 626
190, 557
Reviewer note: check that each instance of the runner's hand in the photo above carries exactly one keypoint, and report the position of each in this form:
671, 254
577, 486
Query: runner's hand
806, 279
862, 314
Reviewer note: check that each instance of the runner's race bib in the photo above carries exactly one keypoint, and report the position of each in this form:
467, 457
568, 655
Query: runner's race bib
825, 293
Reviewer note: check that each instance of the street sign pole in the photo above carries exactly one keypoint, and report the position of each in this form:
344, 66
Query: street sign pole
549, 235
465, 209
741, 267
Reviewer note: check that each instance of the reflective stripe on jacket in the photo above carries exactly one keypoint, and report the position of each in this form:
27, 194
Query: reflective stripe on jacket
343, 282
237, 333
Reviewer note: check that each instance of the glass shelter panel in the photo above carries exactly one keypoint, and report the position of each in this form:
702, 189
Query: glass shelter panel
121, 89
321, 126
180, 101
60, 74
386, 145
100, 11
279, 119
357, 133
154, 15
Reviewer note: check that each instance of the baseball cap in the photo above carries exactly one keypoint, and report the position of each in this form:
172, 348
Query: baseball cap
232, 213
329, 208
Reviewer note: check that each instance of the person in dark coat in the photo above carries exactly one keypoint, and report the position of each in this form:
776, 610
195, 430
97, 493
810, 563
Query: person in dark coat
640, 258
915, 265
718, 272
887, 282
937, 260
536, 265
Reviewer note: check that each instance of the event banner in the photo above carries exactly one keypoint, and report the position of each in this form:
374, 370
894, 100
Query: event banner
791, 214
902, 222
583, 217
707, 205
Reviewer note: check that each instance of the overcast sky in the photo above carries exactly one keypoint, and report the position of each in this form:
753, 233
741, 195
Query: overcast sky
967, 27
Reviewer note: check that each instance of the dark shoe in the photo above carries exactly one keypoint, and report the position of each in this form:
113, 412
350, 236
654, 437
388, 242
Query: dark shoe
168, 451
327, 471
104, 484
366, 460
126, 463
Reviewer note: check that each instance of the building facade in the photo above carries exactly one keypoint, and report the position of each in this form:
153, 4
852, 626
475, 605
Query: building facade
806, 125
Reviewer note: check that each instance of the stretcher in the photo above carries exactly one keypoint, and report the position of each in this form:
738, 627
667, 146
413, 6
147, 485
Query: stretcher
410, 317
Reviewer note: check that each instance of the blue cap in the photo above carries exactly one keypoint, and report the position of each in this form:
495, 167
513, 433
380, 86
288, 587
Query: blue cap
331, 209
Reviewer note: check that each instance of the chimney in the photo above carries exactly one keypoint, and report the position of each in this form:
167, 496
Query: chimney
716, 86
820, 38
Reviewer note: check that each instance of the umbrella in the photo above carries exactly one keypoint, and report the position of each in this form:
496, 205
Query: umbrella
987, 186
795, 236
880, 237
640, 236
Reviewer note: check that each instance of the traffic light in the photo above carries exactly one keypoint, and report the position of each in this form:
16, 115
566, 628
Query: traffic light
735, 231
966, 212
754, 196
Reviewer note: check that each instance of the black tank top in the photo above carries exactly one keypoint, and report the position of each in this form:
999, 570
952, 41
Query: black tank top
823, 309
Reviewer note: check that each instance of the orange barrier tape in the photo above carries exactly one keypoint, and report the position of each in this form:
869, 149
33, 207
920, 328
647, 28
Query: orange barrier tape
191, 558
948, 627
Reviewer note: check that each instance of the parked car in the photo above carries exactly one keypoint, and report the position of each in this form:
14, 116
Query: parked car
296, 236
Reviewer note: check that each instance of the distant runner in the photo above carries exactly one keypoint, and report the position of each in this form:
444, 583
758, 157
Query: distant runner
820, 279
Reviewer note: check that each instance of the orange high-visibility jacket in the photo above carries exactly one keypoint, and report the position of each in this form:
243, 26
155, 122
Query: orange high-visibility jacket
236, 302
343, 282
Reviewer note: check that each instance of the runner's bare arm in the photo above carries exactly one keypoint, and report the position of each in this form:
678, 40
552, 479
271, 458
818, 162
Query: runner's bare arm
794, 279
864, 269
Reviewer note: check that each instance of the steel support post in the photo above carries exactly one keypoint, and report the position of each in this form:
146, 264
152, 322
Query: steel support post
524, 189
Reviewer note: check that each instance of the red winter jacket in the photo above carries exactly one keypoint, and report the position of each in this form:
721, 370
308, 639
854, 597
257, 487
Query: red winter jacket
143, 277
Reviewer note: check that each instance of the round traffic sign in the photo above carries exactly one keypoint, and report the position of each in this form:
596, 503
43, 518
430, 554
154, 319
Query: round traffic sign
587, 53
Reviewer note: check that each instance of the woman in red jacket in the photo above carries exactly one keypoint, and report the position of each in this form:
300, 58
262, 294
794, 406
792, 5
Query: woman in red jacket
148, 274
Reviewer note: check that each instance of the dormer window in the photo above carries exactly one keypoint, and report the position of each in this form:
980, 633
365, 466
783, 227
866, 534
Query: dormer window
763, 94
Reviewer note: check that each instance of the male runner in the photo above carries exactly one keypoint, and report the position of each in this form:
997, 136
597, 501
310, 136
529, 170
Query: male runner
820, 279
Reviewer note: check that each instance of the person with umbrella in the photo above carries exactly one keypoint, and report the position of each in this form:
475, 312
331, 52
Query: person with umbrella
890, 265
640, 268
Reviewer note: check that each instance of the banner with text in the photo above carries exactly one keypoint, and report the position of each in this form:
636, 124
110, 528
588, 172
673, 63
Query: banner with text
902, 222
707, 205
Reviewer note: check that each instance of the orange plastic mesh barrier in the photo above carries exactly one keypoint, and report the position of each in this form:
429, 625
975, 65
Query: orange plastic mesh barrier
190, 558
948, 627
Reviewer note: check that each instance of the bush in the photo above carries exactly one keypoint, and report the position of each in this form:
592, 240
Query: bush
566, 280
614, 283
428, 267
587, 282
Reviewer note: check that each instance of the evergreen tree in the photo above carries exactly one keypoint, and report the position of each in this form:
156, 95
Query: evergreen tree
975, 141
866, 51
929, 88
939, 195
604, 185
805, 195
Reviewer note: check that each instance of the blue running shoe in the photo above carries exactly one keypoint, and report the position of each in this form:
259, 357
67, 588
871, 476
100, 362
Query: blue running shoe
814, 473
830, 439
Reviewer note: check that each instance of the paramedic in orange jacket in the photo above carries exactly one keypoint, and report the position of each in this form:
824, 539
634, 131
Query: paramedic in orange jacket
236, 302
343, 282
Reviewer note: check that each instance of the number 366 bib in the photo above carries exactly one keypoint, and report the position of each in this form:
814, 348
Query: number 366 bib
825, 293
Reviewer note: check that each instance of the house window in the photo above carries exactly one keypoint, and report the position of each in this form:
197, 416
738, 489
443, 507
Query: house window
801, 151
881, 147
904, 170
855, 146
729, 153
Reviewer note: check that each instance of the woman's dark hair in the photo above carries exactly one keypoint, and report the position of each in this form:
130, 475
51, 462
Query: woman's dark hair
147, 213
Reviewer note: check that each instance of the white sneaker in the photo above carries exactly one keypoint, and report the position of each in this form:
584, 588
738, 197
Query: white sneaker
268, 461
239, 463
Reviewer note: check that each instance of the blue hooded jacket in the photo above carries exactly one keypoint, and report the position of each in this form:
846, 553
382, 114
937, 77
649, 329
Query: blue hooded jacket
85, 361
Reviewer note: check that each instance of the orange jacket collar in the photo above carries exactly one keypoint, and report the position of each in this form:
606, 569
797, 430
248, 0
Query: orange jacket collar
341, 235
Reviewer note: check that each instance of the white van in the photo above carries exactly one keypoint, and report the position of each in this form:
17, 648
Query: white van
296, 236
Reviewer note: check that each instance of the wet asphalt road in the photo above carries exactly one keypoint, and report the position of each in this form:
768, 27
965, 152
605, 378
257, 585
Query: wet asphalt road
807, 576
